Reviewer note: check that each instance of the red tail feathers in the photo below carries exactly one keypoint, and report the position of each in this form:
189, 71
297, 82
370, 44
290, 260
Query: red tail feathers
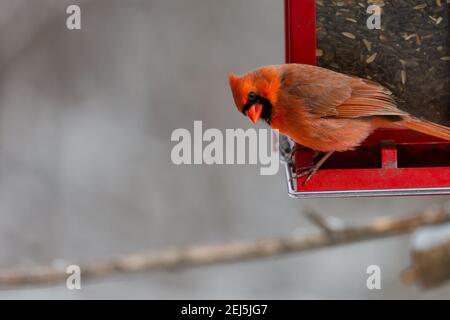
428, 127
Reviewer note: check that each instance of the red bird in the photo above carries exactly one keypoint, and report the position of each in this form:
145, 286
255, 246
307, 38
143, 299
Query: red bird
321, 109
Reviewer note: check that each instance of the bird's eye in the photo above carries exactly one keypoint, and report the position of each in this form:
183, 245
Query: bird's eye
251, 96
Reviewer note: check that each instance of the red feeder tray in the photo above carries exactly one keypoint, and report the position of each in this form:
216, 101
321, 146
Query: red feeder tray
390, 162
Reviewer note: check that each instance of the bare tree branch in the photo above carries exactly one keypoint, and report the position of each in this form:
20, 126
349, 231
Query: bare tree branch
321, 222
174, 258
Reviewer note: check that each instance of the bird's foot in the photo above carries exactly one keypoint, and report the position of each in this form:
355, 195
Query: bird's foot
308, 172
301, 172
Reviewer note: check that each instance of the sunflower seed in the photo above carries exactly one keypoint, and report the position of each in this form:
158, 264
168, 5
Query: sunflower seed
368, 44
420, 6
349, 35
403, 76
371, 58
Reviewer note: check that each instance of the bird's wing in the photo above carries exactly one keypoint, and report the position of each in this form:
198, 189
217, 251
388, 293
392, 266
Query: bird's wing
330, 94
368, 98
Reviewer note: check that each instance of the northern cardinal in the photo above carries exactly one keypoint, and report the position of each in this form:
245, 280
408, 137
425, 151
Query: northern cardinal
321, 109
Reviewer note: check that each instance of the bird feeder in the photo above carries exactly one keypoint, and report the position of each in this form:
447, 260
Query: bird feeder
403, 45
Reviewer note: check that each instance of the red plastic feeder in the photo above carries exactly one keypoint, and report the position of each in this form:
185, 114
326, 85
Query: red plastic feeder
390, 162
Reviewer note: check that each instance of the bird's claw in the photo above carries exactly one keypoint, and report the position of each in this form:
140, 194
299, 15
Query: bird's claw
308, 173
311, 172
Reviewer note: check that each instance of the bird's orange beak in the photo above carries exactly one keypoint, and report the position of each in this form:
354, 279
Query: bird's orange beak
255, 112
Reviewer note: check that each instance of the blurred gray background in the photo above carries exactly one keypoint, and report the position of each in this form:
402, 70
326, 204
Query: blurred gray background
85, 171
